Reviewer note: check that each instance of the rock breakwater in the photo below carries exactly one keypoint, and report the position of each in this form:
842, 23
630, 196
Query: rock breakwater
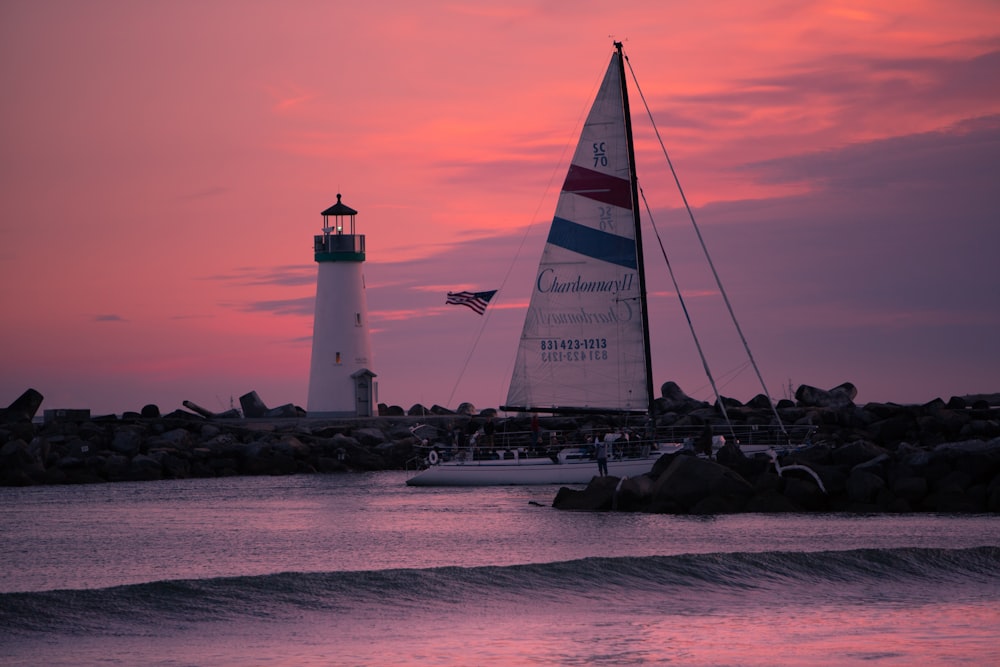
180, 446
940, 456
961, 477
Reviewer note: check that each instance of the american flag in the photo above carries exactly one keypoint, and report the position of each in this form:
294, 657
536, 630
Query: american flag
477, 301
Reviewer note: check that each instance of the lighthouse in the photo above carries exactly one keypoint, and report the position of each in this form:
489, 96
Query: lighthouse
341, 383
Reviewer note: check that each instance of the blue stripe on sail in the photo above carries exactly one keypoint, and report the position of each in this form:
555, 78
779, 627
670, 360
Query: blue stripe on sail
598, 186
593, 243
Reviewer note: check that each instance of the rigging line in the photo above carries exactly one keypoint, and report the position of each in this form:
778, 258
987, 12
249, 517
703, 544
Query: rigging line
727, 378
687, 315
718, 281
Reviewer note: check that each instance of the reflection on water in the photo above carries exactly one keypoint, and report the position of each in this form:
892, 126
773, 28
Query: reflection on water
112, 534
399, 579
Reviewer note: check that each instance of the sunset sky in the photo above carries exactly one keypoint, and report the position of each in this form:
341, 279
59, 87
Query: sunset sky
164, 166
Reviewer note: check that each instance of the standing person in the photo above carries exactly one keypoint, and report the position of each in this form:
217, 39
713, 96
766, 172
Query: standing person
488, 429
536, 431
602, 455
703, 445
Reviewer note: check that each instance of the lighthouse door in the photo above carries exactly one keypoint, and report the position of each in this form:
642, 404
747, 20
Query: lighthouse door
363, 396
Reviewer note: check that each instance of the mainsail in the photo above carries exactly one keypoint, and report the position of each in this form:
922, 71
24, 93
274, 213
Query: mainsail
584, 346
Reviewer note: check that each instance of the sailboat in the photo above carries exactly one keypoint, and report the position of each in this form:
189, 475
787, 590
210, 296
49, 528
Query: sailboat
585, 343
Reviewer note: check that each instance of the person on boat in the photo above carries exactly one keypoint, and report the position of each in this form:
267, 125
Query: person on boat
536, 431
449, 435
602, 454
488, 428
703, 445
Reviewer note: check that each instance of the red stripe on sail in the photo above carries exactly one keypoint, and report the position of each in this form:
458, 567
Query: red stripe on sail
598, 186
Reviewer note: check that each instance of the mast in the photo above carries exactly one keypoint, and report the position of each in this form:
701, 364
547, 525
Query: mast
634, 183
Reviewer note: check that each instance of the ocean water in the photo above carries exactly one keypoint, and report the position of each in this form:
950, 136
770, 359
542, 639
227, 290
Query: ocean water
362, 570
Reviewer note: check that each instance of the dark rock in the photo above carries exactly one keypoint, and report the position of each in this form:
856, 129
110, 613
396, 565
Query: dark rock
369, 437
144, 468
856, 453
863, 485
718, 505
813, 456
911, 489
730, 403
23, 408
760, 402
993, 496
150, 411
951, 501
834, 477
286, 411
175, 467
957, 481
598, 495
183, 415
634, 493
116, 468
805, 493
838, 398
178, 438
252, 406
893, 429
956, 403
690, 480
770, 502
127, 441
672, 398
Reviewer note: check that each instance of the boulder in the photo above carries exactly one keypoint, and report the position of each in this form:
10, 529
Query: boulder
144, 468
805, 493
23, 408
252, 406
634, 493
369, 437
770, 502
912, 489
672, 398
598, 495
838, 398
127, 440
863, 485
856, 453
286, 411
760, 402
690, 479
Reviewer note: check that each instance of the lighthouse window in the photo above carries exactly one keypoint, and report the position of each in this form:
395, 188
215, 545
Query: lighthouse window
357, 319
338, 358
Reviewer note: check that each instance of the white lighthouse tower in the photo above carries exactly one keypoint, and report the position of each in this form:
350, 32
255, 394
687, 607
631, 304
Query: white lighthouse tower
341, 383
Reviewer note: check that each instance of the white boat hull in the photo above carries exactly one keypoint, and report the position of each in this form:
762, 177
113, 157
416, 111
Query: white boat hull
527, 471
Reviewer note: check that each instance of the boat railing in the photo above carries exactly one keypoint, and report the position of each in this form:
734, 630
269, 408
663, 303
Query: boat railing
745, 435
510, 444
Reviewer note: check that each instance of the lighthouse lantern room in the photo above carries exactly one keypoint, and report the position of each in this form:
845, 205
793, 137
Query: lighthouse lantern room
341, 383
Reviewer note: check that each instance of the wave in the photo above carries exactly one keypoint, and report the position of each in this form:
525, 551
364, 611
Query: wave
767, 576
